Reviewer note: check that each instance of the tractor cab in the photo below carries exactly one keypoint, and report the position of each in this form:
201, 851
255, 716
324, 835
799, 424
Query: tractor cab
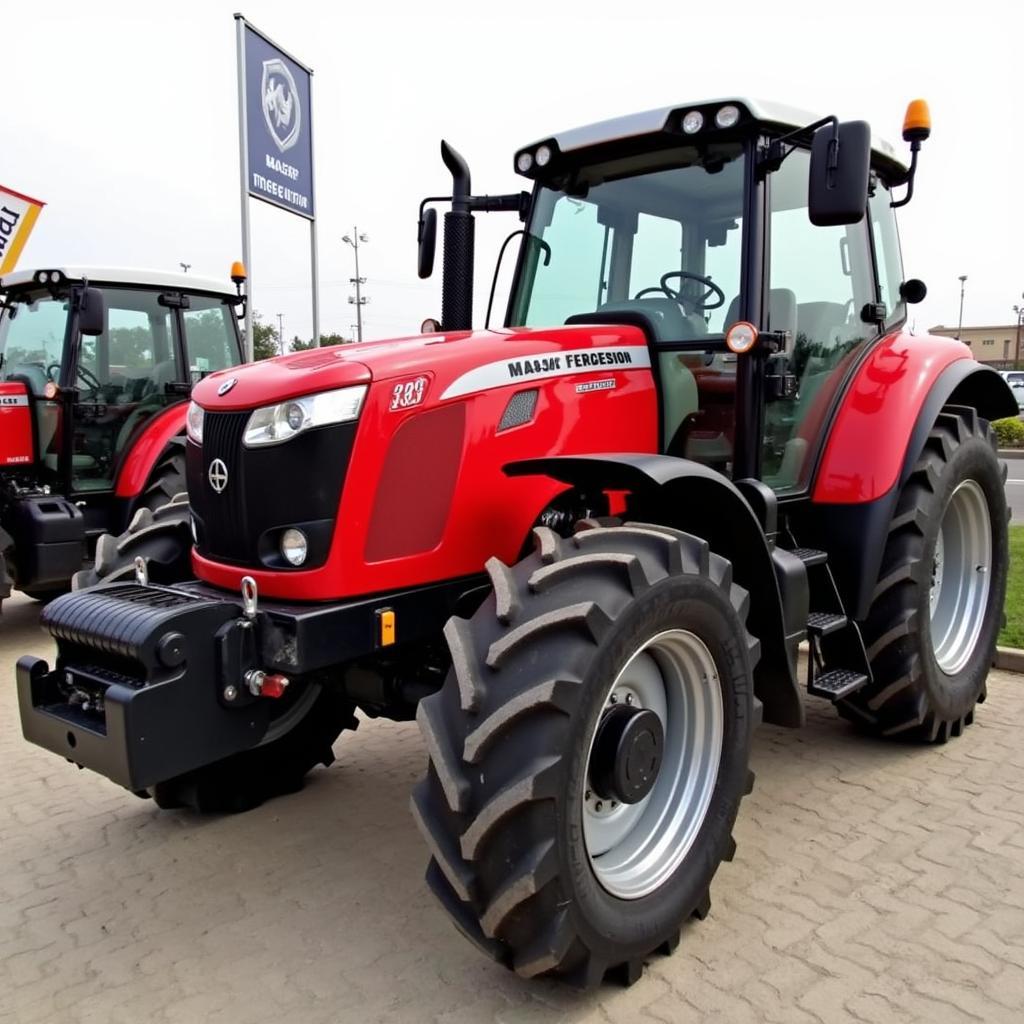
691, 220
92, 363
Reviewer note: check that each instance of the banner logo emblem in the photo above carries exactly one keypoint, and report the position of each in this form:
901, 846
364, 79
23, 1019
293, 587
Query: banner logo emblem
281, 108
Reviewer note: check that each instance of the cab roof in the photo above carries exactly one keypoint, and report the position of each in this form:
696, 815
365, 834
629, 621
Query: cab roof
131, 276
650, 122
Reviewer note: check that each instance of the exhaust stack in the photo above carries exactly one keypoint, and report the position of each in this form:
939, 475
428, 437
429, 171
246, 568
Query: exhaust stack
457, 279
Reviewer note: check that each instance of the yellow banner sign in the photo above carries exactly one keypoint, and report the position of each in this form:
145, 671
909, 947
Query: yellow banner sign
18, 215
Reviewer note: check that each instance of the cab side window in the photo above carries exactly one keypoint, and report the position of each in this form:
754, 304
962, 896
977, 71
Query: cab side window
209, 335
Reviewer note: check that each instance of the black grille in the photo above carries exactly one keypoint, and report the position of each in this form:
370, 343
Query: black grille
296, 483
224, 516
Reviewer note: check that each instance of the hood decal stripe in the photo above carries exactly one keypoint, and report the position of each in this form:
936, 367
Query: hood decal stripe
543, 365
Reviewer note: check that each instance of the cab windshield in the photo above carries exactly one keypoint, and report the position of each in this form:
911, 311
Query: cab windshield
664, 240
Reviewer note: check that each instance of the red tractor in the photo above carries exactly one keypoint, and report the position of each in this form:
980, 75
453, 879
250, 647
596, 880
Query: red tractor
583, 549
96, 367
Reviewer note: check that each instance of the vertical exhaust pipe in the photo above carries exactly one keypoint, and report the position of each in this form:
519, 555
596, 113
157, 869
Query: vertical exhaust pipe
457, 280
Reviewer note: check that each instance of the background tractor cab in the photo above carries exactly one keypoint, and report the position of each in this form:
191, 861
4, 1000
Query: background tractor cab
95, 369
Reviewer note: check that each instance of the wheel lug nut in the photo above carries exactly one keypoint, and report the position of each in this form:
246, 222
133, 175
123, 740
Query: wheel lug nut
587, 795
629, 698
599, 806
613, 699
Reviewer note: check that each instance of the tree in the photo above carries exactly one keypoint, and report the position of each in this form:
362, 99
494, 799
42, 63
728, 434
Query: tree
298, 345
333, 339
264, 339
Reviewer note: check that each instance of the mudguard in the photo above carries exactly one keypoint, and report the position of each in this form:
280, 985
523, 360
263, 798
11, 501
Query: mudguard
689, 496
148, 448
858, 483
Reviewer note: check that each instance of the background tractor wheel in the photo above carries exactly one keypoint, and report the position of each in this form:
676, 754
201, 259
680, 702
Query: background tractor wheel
162, 537
937, 608
588, 751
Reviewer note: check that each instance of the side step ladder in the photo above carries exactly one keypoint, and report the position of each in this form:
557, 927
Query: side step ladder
838, 663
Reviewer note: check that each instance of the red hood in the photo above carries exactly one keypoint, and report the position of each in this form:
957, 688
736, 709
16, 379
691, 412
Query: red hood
445, 357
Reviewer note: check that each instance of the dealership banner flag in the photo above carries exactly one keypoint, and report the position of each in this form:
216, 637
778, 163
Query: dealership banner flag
18, 214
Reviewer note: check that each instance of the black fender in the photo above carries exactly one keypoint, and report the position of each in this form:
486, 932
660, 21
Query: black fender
689, 496
854, 535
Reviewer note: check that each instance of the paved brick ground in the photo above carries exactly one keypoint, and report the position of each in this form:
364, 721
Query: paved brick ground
873, 883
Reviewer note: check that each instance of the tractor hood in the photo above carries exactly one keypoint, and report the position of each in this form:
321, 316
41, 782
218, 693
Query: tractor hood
456, 364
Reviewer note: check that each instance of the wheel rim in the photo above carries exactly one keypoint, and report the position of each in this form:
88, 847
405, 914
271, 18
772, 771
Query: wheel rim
634, 848
961, 577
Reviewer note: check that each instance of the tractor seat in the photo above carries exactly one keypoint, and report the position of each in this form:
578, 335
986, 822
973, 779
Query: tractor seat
670, 323
782, 311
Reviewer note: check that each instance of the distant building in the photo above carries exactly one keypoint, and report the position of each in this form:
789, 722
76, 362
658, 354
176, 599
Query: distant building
992, 345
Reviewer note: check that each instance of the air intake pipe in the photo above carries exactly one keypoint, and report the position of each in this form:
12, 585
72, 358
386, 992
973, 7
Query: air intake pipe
457, 281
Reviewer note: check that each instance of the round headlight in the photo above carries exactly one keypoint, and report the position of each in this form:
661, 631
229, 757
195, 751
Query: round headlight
524, 162
727, 116
693, 122
294, 546
295, 416
543, 156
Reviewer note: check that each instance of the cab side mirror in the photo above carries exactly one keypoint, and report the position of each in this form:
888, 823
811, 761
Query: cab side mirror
840, 163
427, 238
92, 312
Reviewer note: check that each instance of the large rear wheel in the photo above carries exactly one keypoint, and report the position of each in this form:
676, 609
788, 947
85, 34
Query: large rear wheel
937, 608
588, 751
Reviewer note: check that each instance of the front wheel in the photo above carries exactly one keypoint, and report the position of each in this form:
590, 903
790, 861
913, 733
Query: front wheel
588, 751
936, 611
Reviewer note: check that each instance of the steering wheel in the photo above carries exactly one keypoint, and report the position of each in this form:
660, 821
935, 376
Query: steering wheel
698, 305
90, 378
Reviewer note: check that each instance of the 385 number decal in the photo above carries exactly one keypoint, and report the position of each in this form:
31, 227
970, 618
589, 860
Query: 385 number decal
408, 393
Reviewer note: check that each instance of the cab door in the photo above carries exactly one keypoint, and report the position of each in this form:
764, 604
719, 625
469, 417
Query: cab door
124, 377
820, 284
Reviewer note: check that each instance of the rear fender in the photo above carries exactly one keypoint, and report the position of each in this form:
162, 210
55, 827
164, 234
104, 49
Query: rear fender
147, 448
688, 496
854, 532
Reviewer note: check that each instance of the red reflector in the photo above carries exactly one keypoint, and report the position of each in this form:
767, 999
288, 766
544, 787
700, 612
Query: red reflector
274, 686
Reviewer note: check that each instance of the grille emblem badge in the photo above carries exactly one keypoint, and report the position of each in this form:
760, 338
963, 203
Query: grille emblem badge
217, 474
227, 385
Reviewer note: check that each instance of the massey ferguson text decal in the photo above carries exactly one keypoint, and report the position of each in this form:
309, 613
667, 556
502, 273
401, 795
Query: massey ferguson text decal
555, 364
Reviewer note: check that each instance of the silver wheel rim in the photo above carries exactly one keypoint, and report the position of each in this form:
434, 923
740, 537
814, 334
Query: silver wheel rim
961, 577
635, 848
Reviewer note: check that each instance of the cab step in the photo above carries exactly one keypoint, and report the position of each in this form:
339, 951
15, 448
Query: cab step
823, 623
836, 684
810, 556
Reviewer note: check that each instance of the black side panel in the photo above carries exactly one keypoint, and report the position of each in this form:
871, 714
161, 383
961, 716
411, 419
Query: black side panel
694, 498
854, 537
49, 540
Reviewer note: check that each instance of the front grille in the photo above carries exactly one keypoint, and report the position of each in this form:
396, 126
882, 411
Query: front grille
224, 516
297, 483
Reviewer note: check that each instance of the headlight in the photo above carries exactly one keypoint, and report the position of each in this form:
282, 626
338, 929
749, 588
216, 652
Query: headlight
294, 546
194, 422
276, 423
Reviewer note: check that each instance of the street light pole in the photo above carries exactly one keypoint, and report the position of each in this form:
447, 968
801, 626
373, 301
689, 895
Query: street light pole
1019, 310
280, 332
359, 300
960, 323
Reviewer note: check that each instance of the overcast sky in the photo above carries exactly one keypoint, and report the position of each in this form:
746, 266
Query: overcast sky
123, 118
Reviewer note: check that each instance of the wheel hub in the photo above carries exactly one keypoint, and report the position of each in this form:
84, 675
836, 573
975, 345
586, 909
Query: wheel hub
627, 754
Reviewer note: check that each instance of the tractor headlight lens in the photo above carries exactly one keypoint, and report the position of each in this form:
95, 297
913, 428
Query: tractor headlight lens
524, 162
727, 116
294, 546
693, 122
276, 423
543, 156
194, 423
